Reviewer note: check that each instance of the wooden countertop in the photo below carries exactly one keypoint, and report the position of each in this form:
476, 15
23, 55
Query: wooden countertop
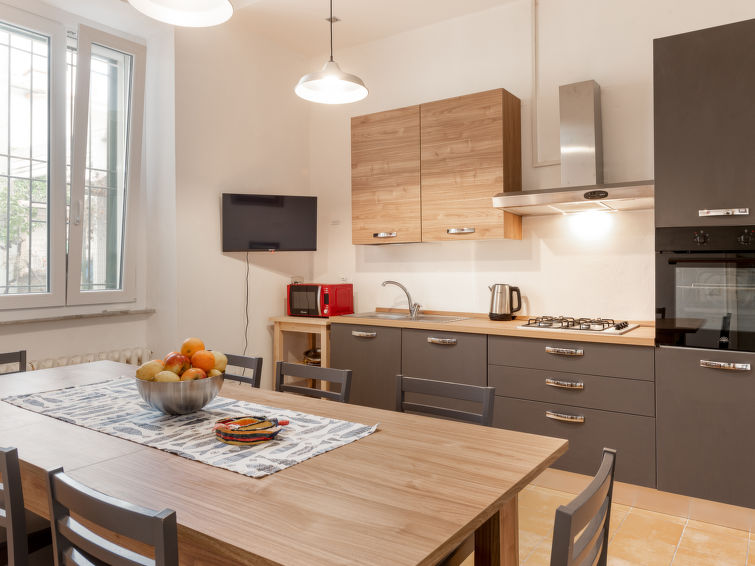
481, 324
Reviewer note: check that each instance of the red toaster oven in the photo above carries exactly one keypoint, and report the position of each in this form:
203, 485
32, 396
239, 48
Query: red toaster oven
318, 299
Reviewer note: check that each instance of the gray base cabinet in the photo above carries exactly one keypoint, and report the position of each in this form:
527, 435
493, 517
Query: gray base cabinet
706, 420
445, 356
373, 354
594, 395
632, 436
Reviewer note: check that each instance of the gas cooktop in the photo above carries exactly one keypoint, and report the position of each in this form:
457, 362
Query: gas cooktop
587, 325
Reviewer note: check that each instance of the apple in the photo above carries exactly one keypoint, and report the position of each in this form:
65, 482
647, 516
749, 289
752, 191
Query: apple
148, 371
220, 361
166, 375
193, 373
213, 372
177, 363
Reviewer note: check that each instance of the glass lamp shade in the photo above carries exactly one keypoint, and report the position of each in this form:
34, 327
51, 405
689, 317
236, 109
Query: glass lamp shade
331, 85
186, 13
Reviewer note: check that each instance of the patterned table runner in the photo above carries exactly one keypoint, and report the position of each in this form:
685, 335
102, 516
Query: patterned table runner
116, 408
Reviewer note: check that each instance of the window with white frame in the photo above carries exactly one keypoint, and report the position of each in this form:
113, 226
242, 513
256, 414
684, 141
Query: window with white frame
71, 109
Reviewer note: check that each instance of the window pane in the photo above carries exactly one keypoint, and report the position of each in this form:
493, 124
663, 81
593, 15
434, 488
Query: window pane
24, 161
106, 174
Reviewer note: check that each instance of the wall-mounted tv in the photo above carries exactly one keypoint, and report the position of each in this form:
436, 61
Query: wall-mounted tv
256, 223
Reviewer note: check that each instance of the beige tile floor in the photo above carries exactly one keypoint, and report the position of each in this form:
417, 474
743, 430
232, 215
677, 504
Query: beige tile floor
637, 537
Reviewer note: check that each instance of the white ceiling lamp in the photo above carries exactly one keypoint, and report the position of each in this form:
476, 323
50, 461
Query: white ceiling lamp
331, 85
186, 13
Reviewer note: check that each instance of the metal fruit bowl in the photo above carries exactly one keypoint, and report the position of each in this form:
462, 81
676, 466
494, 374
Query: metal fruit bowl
179, 397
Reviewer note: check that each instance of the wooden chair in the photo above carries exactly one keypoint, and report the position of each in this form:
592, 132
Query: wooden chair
447, 390
19, 544
14, 358
580, 534
76, 544
248, 362
330, 375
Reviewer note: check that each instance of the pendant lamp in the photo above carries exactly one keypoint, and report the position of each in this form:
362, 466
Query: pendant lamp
330, 85
186, 13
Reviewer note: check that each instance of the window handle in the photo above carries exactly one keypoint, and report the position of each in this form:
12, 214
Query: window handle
78, 205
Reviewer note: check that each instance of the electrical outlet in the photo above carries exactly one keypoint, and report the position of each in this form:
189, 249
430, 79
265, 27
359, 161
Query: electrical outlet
342, 278
295, 279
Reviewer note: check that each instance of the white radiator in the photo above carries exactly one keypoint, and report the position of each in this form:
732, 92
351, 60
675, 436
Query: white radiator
135, 356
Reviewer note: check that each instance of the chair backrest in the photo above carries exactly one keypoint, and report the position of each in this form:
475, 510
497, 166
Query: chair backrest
248, 362
331, 375
74, 543
12, 514
589, 511
447, 390
14, 358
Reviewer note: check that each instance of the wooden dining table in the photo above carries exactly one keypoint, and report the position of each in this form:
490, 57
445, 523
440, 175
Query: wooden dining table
408, 494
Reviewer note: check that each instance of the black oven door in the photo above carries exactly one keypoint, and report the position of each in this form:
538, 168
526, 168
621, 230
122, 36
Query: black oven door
706, 300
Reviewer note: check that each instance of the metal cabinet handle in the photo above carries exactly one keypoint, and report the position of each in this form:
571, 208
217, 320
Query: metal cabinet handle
724, 212
384, 235
565, 351
563, 417
360, 334
724, 365
564, 384
442, 341
460, 231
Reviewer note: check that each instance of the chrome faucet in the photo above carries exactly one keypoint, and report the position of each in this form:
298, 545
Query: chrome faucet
413, 307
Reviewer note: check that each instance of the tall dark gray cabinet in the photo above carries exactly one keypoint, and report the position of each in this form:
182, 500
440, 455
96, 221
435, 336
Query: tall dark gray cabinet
705, 126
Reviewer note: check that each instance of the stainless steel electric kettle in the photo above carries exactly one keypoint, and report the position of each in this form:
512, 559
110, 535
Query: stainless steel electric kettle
502, 301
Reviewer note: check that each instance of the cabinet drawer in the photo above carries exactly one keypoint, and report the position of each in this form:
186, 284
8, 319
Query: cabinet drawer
705, 424
617, 360
593, 391
632, 436
445, 356
373, 354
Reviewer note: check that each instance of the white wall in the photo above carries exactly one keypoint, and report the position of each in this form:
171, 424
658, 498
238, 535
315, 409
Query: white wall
54, 339
560, 268
239, 129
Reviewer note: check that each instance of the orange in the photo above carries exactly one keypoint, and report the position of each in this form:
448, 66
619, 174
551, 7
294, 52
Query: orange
203, 359
191, 346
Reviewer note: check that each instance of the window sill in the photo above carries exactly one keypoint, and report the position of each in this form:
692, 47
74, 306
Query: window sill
102, 314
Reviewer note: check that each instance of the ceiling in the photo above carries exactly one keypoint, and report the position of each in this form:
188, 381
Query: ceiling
301, 24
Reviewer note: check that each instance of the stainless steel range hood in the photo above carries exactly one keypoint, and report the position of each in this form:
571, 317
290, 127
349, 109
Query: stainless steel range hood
581, 165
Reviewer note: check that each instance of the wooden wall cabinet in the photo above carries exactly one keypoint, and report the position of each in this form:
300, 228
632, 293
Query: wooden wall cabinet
428, 172
385, 177
471, 151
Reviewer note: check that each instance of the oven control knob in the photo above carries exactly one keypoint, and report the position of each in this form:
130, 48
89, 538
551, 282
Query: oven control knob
700, 238
745, 238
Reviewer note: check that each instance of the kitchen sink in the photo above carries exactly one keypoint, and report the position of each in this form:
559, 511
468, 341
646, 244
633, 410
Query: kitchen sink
404, 316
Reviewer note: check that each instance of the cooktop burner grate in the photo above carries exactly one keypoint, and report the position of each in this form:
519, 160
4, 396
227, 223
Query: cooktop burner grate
587, 324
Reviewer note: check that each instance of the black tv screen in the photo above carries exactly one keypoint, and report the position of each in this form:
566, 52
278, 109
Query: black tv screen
269, 223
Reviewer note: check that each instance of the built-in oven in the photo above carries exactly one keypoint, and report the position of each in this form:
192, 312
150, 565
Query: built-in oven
705, 287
